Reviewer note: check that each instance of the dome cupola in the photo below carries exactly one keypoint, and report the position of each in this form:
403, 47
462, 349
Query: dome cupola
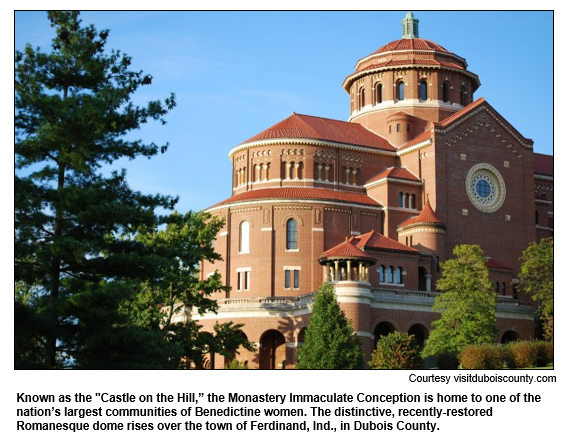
412, 75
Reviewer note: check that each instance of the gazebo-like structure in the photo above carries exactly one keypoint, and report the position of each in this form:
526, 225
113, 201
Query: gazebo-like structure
345, 262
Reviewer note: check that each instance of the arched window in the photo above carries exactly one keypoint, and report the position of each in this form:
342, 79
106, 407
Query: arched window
244, 237
400, 91
291, 235
414, 201
362, 98
445, 89
401, 200
256, 173
497, 287
423, 91
382, 274
463, 95
503, 288
391, 275
379, 95
537, 218
399, 275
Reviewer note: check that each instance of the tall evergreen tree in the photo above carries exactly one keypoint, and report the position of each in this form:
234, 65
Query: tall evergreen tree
467, 304
73, 269
330, 342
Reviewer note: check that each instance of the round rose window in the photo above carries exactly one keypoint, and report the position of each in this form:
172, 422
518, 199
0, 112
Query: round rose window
485, 187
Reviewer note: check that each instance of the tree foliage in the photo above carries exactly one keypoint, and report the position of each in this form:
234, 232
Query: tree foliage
97, 283
467, 304
330, 342
397, 350
537, 279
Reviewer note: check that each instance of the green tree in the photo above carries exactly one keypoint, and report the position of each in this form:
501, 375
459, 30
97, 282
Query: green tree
537, 279
330, 342
397, 350
73, 271
165, 304
467, 304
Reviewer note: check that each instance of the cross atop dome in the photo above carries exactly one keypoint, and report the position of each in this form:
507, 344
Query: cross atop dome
410, 27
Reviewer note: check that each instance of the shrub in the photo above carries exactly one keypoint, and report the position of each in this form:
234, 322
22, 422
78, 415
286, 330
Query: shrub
447, 360
396, 350
235, 364
508, 357
482, 357
524, 352
545, 352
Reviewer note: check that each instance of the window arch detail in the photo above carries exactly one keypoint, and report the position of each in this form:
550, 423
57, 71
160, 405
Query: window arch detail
291, 234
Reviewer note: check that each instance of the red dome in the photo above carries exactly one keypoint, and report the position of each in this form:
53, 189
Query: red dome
411, 44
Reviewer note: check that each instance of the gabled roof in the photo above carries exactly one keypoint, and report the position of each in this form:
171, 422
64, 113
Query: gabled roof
426, 217
393, 172
300, 194
313, 127
478, 105
345, 250
377, 241
424, 136
461, 112
544, 164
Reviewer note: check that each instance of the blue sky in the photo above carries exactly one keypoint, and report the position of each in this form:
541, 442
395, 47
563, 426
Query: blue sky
235, 74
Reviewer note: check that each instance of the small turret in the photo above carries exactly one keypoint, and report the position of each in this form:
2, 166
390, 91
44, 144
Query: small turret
410, 27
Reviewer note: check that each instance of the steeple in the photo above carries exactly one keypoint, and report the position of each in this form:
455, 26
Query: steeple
410, 27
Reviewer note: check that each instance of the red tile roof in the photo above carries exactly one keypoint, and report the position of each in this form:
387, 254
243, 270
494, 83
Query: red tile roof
426, 135
461, 112
400, 173
413, 61
544, 164
374, 240
493, 264
345, 250
426, 216
305, 126
300, 194
411, 44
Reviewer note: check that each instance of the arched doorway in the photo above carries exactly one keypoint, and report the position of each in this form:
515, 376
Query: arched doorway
242, 354
509, 336
419, 332
272, 350
381, 330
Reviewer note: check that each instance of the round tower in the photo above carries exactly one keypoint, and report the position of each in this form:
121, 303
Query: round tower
425, 232
411, 75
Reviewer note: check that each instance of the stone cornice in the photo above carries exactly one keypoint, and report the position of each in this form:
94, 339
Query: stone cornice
293, 201
310, 142
415, 147
392, 180
544, 177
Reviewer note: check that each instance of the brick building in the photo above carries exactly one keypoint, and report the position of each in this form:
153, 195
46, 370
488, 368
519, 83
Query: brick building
375, 204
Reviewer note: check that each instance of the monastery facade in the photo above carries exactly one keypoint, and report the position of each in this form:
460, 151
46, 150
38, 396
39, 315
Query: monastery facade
376, 203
